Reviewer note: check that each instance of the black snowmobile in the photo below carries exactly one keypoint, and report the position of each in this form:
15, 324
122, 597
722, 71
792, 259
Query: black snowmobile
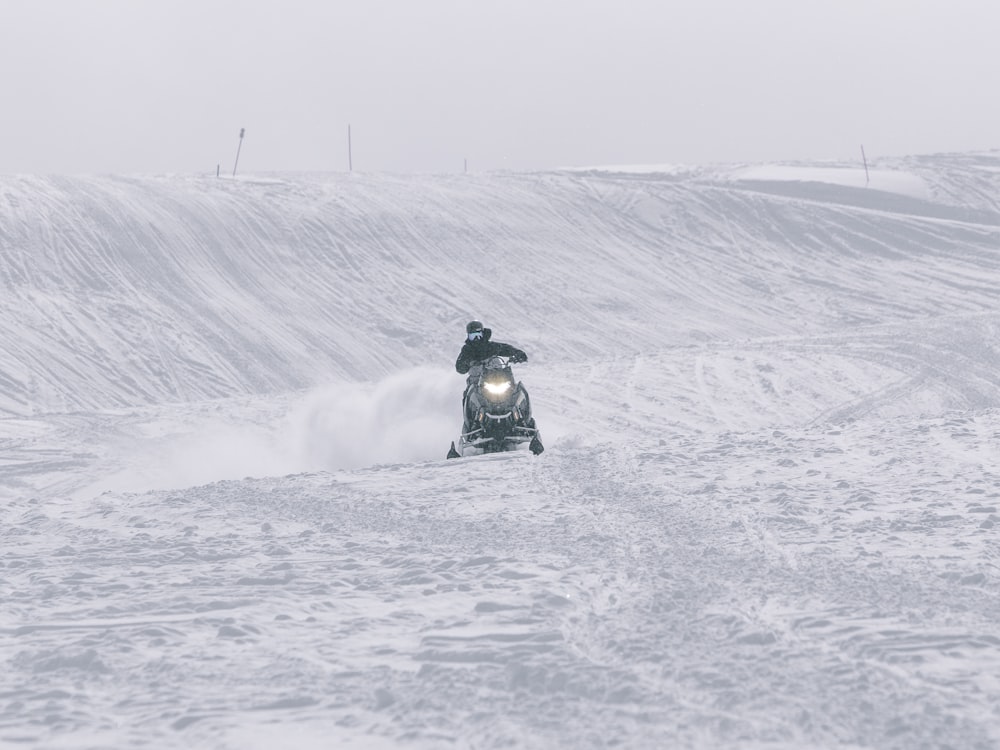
497, 412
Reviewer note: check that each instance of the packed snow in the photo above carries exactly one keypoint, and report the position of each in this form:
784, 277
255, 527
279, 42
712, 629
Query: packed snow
766, 516
886, 180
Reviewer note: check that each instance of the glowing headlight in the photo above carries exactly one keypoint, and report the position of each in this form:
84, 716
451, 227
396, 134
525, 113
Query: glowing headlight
497, 389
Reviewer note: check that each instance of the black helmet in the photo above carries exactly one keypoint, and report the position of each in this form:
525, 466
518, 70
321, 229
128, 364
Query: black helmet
473, 330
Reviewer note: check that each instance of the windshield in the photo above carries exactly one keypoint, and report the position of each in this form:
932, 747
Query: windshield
495, 363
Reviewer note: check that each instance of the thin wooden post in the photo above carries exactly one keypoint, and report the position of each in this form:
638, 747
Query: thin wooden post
865, 160
242, 131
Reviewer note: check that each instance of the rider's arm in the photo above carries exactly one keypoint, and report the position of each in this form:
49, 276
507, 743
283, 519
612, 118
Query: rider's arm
513, 352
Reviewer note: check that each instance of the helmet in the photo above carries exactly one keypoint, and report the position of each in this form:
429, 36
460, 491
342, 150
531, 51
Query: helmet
474, 330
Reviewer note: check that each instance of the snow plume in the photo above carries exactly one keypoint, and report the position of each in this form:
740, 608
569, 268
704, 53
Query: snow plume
409, 416
219, 451
194, 450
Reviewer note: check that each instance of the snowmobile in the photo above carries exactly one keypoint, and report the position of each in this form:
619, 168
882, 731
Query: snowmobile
497, 412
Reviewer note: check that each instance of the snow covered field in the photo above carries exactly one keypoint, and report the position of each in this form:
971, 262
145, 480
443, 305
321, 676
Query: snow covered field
767, 515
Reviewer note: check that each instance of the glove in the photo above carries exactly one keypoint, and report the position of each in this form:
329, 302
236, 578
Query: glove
519, 357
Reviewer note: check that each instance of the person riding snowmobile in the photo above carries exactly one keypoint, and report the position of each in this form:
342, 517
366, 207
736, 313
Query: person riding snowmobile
502, 416
478, 347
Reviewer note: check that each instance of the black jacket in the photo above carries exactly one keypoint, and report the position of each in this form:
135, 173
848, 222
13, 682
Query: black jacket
476, 351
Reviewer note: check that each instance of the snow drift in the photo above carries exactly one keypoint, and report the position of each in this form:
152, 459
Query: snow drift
766, 517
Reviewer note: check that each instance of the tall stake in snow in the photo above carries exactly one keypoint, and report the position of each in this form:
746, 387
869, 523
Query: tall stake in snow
865, 160
242, 131
350, 161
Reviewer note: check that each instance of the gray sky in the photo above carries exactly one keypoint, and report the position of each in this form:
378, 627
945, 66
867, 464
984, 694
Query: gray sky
165, 85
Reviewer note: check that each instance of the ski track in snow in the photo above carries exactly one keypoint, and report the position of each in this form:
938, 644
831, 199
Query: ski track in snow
766, 518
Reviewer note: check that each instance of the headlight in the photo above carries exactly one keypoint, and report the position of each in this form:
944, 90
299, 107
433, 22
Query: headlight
497, 389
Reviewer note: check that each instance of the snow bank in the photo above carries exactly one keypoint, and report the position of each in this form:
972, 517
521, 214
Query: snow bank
890, 181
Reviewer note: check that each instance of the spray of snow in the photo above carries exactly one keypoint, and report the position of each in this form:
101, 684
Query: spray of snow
403, 418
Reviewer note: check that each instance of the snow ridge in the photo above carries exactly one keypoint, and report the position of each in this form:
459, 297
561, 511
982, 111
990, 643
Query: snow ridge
137, 291
766, 517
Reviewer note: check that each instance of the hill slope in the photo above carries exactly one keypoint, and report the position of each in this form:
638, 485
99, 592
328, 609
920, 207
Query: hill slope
766, 518
136, 291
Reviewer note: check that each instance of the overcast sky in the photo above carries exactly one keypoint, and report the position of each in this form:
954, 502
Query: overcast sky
165, 85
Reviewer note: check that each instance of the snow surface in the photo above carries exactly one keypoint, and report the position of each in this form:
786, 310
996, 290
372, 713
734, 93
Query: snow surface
877, 179
766, 517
